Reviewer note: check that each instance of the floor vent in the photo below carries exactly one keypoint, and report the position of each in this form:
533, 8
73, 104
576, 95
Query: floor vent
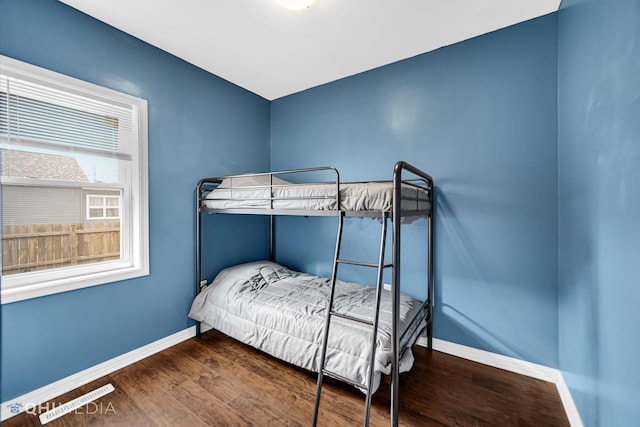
75, 404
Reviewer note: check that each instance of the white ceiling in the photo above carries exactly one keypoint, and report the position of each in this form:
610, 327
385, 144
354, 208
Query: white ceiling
274, 52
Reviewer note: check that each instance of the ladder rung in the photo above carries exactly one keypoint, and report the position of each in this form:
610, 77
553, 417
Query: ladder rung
362, 264
343, 379
353, 318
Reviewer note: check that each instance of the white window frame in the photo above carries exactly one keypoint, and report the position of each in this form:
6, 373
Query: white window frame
103, 207
134, 206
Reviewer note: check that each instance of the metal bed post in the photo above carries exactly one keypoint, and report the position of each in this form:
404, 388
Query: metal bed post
397, 203
395, 296
430, 270
272, 249
272, 254
198, 245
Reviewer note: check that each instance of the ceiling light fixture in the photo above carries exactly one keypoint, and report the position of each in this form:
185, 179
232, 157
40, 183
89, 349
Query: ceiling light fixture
296, 4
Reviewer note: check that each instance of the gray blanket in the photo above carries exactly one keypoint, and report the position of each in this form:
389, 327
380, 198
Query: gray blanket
282, 313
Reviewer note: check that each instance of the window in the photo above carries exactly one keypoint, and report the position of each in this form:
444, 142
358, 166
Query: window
74, 183
103, 207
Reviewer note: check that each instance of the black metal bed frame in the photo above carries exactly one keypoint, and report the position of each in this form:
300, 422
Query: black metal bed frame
419, 180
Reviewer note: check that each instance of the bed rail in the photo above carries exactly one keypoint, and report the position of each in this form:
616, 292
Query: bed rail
206, 185
318, 198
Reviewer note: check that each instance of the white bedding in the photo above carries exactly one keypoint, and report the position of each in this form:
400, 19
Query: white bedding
255, 192
282, 313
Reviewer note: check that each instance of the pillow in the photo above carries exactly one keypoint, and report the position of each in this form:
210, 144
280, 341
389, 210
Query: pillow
248, 181
268, 275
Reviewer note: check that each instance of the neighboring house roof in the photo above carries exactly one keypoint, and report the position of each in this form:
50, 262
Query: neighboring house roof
41, 166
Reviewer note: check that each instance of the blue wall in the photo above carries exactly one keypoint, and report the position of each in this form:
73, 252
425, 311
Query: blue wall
199, 125
599, 207
481, 117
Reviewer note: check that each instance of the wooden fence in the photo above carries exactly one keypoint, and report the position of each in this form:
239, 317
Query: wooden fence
44, 246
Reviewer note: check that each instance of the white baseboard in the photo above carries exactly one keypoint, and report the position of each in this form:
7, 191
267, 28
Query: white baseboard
60, 387
567, 401
517, 366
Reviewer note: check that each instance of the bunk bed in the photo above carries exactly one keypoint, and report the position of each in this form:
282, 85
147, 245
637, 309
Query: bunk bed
351, 332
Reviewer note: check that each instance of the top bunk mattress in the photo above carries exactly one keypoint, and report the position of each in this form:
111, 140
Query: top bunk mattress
256, 192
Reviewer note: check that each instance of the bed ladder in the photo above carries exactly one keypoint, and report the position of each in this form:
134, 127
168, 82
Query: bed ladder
373, 321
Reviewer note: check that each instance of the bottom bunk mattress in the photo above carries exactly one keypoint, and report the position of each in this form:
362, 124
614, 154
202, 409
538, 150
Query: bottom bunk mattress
282, 312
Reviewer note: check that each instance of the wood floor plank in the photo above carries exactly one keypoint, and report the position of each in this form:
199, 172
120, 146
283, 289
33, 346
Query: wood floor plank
207, 406
153, 397
260, 410
215, 380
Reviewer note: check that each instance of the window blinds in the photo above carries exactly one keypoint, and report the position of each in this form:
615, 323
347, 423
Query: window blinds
38, 115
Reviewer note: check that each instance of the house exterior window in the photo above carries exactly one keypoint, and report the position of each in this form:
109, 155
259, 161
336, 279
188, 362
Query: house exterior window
74, 183
102, 207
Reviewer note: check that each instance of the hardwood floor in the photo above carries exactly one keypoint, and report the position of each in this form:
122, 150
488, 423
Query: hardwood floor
216, 381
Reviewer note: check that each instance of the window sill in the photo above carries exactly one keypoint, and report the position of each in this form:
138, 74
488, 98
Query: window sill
17, 293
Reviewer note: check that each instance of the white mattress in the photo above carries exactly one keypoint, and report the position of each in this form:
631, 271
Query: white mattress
256, 192
282, 313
